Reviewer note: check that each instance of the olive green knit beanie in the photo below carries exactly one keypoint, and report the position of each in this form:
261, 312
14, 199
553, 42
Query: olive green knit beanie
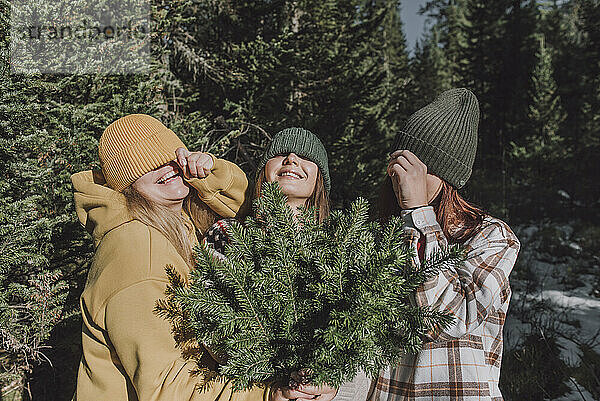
303, 143
443, 135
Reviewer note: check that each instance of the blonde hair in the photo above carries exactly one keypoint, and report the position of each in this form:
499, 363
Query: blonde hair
172, 224
319, 199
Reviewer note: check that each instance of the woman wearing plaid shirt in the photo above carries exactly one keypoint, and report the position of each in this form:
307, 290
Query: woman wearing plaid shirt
433, 157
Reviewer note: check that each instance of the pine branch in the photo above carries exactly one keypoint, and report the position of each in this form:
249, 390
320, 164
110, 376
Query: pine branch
329, 297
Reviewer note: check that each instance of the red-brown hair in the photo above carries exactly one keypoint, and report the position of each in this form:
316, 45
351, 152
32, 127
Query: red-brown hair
319, 198
458, 218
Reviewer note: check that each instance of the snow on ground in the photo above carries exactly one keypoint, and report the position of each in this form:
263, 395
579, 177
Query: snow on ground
563, 285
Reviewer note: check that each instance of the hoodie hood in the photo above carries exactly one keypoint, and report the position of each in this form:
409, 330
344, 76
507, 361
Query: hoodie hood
99, 207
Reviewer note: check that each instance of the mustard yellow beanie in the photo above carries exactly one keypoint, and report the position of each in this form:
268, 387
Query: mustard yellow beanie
133, 146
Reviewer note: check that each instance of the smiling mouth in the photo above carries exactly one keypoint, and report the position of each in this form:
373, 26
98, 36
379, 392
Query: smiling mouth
291, 174
169, 177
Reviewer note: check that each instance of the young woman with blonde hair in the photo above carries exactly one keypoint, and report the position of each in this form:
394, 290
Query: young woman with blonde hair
145, 209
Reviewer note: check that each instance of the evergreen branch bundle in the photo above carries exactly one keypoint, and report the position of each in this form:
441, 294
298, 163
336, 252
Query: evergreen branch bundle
294, 294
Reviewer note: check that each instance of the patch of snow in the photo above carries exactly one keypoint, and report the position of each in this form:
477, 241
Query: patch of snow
565, 229
526, 233
563, 286
564, 194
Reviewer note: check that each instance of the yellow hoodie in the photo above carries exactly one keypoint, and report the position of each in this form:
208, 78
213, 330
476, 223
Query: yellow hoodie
128, 352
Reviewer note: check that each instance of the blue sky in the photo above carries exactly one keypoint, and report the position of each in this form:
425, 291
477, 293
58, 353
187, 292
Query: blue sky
413, 22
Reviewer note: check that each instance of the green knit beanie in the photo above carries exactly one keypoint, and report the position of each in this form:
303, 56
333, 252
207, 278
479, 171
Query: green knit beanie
443, 135
303, 143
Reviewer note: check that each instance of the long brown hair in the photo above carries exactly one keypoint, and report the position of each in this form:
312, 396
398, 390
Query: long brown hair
319, 199
458, 218
172, 224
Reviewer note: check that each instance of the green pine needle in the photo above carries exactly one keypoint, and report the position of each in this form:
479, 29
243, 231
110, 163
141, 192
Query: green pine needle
293, 294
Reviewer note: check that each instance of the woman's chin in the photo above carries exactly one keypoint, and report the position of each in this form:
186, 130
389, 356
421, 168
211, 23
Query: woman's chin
182, 193
285, 182
291, 190
176, 193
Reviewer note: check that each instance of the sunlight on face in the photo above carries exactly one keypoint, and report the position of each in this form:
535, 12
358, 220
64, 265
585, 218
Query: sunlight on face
163, 185
296, 176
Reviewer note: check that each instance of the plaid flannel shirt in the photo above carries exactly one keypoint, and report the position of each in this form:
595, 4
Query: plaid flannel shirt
463, 361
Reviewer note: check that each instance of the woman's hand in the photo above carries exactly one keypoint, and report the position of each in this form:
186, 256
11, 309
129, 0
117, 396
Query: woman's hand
409, 179
194, 164
303, 392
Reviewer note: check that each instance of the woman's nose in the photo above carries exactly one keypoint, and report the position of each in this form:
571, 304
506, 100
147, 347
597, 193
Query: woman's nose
291, 158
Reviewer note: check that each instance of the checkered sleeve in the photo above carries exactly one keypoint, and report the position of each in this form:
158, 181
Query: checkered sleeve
479, 287
422, 222
217, 236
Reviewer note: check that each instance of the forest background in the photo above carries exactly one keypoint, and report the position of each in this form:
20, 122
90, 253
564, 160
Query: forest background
226, 75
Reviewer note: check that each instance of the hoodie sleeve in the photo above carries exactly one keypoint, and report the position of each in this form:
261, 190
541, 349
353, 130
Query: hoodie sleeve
224, 189
148, 354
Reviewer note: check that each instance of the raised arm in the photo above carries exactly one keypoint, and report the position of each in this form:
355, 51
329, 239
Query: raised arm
221, 184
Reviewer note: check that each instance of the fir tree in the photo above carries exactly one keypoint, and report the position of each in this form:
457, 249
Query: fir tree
545, 111
49, 130
395, 106
486, 55
451, 23
484, 34
542, 152
289, 295
519, 59
586, 143
430, 78
335, 67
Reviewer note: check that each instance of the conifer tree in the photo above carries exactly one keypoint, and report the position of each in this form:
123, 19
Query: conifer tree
298, 295
451, 24
545, 110
542, 151
50, 128
486, 57
518, 60
430, 78
586, 143
335, 67
395, 106
561, 26
484, 34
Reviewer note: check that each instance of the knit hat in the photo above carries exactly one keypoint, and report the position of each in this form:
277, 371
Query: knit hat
443, 135
133, 146
303, 143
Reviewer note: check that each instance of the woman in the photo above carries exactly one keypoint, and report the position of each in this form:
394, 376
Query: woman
432, 158
295, 159
144, 216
